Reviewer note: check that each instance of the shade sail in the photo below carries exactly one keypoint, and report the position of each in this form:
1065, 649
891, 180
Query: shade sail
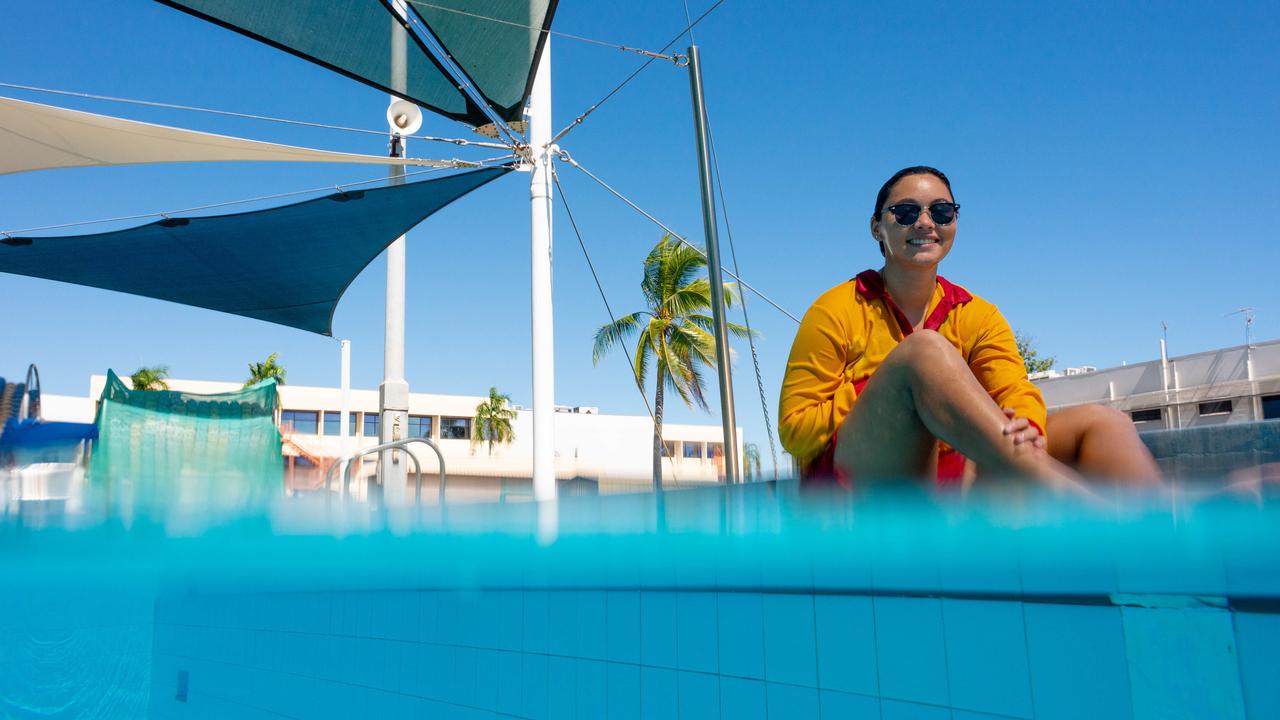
353, 37
286, 265
39, 137
496, 42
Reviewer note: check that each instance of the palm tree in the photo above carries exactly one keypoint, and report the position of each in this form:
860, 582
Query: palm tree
150, 378
751, 461
493, 420
264, 370
675, 331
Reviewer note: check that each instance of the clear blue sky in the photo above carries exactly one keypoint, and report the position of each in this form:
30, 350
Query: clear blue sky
1117, 163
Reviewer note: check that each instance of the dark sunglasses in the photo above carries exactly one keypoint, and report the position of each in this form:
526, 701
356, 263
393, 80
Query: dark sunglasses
942, 213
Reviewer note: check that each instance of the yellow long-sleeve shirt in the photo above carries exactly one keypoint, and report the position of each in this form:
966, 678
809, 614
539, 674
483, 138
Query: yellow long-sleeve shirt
851, 328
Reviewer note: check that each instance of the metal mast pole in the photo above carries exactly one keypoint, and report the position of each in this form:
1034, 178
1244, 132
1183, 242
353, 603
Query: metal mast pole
731, 474
544, 469
393, 393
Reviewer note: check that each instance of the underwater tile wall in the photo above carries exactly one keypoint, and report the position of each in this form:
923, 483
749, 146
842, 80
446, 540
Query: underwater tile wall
677, 654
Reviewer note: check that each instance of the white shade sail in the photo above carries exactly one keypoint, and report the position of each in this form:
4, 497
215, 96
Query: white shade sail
41, 137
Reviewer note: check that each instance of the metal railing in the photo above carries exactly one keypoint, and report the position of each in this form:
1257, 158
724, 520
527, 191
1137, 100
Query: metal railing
346, 461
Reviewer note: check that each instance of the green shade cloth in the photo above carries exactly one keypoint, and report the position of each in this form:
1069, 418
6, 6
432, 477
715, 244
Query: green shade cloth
164, 449
286, 265
496, 42
354, 37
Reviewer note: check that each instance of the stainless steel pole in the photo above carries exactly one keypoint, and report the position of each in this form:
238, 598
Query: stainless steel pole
731, 474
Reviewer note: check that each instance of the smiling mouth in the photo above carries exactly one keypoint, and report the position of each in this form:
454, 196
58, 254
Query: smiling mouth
921, 241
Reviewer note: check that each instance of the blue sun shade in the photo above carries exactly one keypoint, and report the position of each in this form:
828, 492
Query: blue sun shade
286, 265
496, 43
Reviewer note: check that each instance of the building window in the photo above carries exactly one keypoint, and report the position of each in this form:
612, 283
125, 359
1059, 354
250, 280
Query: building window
1217, 407
420, 426
303, 422
1148, 415
333, 421
1270, 407
455, 428
693, 450
669, 448
715, 450
371, 425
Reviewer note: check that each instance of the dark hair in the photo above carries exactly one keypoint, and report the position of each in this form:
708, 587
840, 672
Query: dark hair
883, 195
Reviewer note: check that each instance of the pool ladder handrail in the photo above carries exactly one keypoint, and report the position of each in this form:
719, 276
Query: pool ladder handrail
346, 460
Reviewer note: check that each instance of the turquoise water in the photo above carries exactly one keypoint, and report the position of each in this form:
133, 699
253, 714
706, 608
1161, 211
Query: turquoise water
715, 603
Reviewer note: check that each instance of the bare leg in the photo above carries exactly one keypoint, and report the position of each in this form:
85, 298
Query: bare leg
1102, 443
925, 390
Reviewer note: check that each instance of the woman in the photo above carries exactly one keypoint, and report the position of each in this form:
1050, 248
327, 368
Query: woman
900, 373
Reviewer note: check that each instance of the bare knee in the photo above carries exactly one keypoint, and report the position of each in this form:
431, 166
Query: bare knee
924, 351
1080, 420
1100, 440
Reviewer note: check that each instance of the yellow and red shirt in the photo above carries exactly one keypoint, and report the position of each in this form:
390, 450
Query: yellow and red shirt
852, 328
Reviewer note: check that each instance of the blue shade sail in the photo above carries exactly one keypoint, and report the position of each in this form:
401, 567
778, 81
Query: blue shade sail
287, 265
495, 42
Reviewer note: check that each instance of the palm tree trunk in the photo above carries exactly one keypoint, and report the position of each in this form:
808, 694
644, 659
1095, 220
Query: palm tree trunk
657, 434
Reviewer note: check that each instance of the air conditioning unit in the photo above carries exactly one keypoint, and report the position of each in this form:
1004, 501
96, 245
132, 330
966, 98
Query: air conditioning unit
586, 410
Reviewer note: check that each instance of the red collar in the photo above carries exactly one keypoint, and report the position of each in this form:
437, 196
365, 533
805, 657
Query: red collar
871, 286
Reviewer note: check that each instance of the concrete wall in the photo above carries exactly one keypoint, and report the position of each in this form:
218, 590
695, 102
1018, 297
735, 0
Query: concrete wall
1219, 375
1213, 453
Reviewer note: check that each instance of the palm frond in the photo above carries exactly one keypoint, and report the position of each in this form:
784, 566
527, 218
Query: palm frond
706, 323
683, 267
655, 266
732, 293
694, 297
150, 378
696, 384
695, 342
640, 358
681, 376
611, 335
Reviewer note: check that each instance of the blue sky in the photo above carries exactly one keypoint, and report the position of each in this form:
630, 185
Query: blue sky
1117, 163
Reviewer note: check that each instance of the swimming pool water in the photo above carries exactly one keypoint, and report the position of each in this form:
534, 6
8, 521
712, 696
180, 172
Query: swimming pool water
737, 602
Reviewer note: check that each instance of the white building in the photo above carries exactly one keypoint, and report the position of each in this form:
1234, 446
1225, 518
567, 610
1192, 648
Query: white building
594, 452
1235, 384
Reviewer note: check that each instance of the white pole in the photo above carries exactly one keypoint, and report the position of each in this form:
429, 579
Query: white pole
544, 469
344, 431
393, 393
1164, 366
343, 413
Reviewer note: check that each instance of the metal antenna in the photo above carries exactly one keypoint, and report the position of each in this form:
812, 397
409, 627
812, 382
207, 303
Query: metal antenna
1248, 323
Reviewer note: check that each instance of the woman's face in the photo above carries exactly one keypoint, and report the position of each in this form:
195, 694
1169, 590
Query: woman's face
923, 243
